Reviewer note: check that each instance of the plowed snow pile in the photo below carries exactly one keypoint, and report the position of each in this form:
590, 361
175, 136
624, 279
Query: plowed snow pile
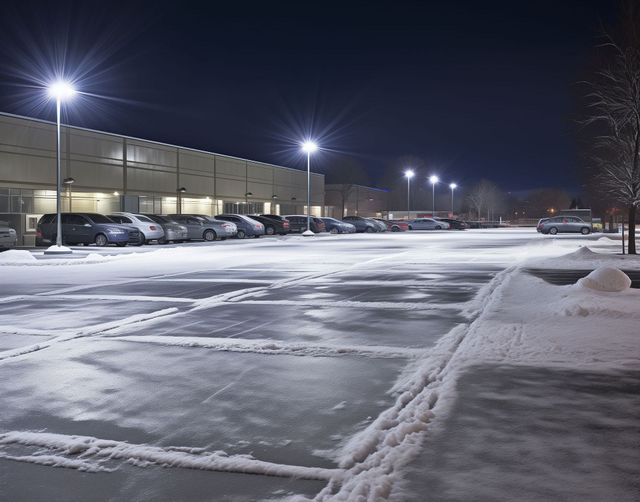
606, 279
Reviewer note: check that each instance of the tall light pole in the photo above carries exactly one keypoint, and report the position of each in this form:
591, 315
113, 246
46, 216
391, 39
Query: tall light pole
452, 186
434, 181
408, 174
59, 91
309, 147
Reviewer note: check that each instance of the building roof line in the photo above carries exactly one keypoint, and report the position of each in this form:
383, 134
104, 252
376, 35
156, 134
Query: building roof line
23, 117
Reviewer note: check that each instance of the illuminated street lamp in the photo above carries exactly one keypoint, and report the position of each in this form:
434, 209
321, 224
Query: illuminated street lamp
59, 91
452, 186
408, 174
434, 181
309, 147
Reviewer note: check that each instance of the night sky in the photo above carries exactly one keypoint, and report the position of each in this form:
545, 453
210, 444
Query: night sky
467, 90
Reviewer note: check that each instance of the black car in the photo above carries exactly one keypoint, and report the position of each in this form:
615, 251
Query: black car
298, 224
272, 225
361, 224
454, 224
86, 228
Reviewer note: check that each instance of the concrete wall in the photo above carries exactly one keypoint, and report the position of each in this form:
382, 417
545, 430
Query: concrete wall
111, 163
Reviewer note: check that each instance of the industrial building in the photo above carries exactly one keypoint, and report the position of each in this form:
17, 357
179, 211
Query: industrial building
107, 172
356, 200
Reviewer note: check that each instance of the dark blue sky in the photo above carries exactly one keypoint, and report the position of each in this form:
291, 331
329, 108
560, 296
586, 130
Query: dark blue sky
466, 89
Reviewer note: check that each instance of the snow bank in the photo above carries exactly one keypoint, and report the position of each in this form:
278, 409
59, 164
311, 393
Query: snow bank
606, 279
585, 258
16, 256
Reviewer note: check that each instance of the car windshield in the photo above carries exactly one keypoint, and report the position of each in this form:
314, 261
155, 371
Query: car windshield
144, 218
99, 218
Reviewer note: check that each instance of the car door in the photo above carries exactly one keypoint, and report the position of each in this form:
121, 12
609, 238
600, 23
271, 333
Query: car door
194, 227
77, 229
418, 224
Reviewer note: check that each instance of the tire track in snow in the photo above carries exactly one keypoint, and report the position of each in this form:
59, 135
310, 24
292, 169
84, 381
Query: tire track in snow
371, 458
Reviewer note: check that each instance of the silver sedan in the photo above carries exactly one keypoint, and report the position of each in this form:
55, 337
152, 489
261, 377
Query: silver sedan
427, 224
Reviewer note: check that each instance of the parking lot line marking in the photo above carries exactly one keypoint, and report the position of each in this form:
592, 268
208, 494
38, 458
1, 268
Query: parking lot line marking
276, 347
91, 453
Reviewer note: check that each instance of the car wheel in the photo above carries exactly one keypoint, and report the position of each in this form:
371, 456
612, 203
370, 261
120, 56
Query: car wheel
438, 227
241, 234
369, 230
101, 240
162, 240
334, 230
209, 235
121, 244
270, 230
585, 231
410, 227
395, 229
553, 230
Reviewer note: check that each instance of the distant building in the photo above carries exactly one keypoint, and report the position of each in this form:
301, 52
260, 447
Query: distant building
111, 173
349, 199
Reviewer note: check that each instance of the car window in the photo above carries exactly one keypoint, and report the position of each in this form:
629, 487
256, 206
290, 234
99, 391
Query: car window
72, 219
144, 218
99, 218
193, 221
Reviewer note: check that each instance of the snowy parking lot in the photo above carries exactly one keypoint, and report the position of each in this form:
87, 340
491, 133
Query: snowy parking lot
376, 366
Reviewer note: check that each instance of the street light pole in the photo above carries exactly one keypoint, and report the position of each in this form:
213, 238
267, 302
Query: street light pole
409, 174
309, 147
452, 186
433, 180
59, 91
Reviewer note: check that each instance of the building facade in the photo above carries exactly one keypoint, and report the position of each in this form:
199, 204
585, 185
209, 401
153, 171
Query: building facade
356, 200
110, 172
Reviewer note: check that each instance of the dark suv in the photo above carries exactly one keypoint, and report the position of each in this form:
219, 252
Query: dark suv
298, 223
85, 228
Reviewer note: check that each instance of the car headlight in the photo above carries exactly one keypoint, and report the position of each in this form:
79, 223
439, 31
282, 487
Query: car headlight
115, 231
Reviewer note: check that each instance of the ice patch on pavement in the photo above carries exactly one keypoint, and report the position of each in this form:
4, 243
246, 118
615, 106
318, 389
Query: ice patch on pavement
606, 279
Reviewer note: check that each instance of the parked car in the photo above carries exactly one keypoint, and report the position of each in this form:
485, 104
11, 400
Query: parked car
149, 229
272, 226
454, 224
541, 221
247, 227
361, 224
427, 224
394, 225
380, 225
559, 224
298, 223
202, 227
8, 236
86, 228
173, 231
338, 227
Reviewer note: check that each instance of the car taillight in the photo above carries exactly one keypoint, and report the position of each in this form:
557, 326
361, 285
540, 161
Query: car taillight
153, 227
285, 224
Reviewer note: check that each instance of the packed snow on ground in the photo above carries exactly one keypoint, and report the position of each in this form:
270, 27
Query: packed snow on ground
221, 390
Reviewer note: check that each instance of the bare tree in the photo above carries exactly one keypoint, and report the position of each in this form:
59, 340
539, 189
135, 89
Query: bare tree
614, 108
485, 196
